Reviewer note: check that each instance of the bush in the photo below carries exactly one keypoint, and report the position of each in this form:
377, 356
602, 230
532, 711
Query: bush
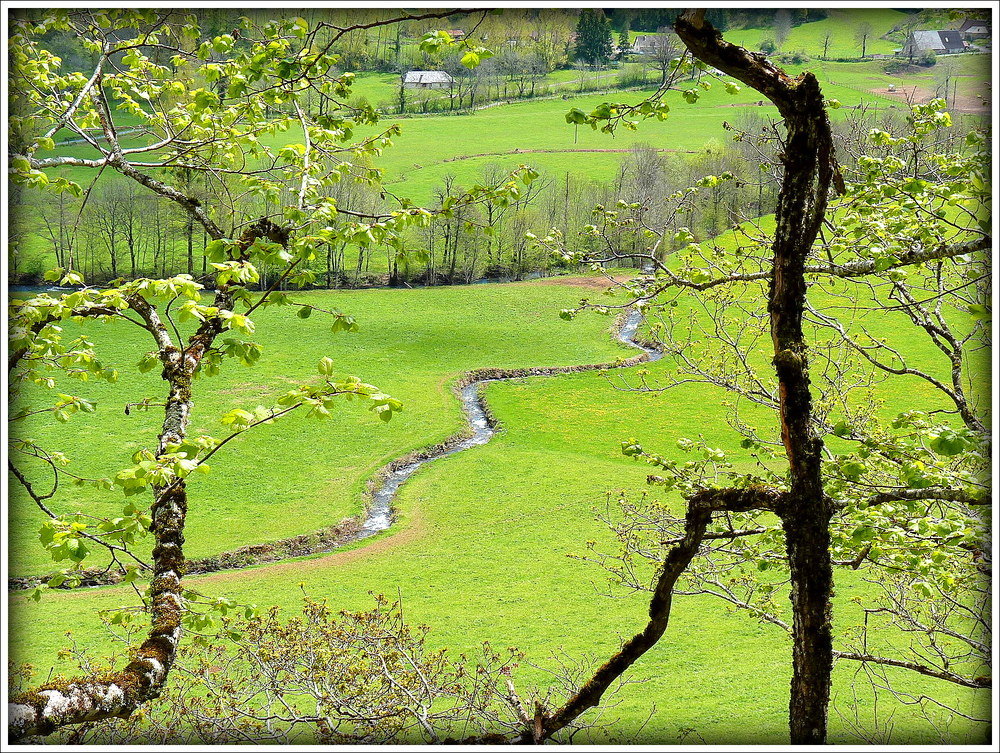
631, 75
899, 65
767, 46
927, 59
794, 58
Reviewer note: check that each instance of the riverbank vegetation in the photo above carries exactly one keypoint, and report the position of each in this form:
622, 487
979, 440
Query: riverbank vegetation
122, 231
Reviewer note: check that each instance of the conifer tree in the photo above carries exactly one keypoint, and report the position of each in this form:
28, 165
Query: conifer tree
594, 44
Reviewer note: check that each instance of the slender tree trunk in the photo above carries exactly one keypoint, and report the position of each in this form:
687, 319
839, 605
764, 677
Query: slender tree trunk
113, 249
190, 245
805, 513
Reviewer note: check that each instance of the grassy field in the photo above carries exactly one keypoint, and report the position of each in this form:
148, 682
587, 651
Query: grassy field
382, 89
535, 132
480, 548
437, 333
537, 128
842, 25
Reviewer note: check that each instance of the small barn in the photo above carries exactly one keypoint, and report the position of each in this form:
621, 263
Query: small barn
427, 80
938, 42
650, 44
976, 28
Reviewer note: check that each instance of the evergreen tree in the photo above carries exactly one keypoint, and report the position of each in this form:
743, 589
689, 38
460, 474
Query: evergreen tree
624, 45
594, 44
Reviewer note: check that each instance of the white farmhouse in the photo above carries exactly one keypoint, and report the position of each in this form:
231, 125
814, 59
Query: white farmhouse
938, 42
975, 28
427, 80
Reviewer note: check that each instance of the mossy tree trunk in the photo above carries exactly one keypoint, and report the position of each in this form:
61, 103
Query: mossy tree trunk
805, 512
117, 694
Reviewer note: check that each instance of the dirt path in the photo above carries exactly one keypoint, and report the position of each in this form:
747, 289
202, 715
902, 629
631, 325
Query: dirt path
415, 530
555, 151
919, 95
514, 152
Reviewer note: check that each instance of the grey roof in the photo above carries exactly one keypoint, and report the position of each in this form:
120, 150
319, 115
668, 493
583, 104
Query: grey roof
651, 42
952, 39
938, 40
648, 39
427, 77
972, 23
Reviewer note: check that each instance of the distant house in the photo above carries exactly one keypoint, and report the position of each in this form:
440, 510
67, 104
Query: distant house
938, 42
651, 44
456, 33
976, 28
427, 80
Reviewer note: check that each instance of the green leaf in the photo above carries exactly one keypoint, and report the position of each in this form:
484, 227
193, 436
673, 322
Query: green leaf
148, 362
56, 580
980, 312
948, 442
77, 550
305, 312
853, 470
204, 99
216, 250
46, 533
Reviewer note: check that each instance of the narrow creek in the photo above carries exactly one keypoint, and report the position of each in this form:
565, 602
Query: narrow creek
385, 486
379, 515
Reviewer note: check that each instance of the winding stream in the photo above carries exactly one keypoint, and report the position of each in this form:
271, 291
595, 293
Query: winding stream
379, 515
383, 489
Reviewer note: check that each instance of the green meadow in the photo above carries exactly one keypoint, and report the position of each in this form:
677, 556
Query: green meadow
461, 147
535, 132
481, 546
841, 24
302, 474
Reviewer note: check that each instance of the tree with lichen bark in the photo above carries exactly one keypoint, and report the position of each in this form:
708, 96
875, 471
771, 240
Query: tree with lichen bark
898, 500
206, 105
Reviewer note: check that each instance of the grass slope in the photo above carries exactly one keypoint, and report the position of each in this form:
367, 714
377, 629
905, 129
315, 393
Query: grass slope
480, 549
301, 474
535, 132
842, 24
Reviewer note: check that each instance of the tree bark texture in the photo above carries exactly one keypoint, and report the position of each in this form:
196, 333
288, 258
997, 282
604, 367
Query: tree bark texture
805, 512
117, 694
